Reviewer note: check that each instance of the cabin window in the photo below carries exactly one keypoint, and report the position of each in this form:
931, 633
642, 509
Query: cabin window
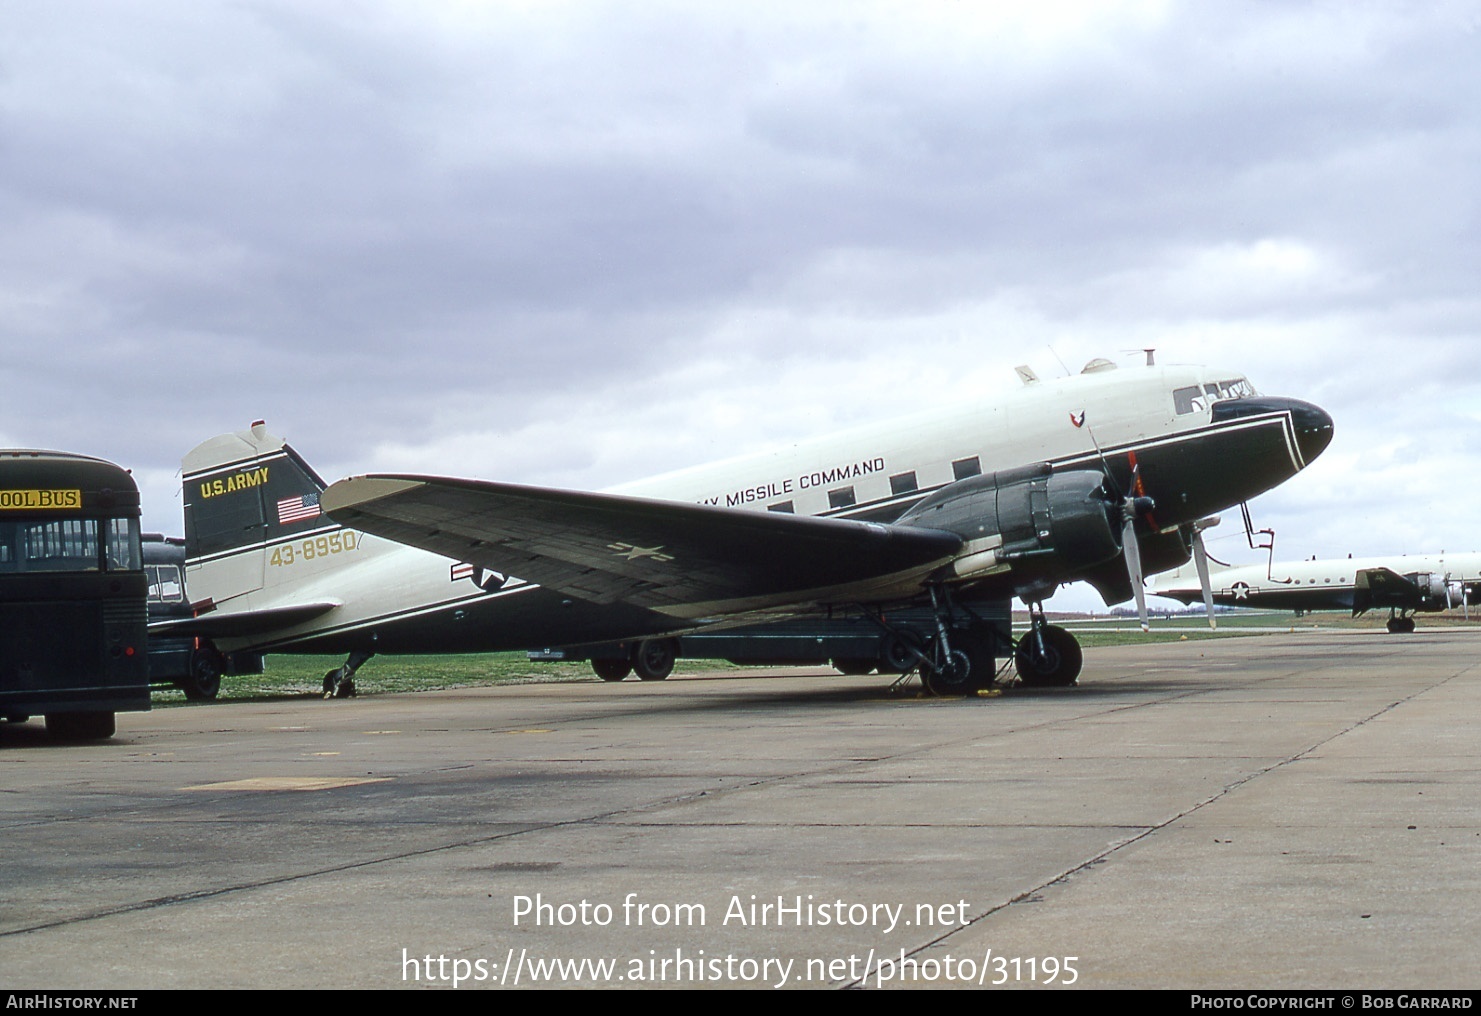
782, 506
842, 498
904, 483
963, 468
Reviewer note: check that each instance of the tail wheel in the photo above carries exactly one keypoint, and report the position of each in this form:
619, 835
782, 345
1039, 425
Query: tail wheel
204, 680
653, 659
1048, 657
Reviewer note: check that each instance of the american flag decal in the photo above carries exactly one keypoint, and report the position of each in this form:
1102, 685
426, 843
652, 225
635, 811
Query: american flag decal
461, 570
296, 509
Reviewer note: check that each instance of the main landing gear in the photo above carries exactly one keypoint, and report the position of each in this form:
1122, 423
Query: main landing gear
1400, 624
1048, 656
960, 658
340, 682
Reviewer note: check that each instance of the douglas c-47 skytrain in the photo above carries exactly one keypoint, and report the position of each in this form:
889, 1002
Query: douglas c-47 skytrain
1098, 477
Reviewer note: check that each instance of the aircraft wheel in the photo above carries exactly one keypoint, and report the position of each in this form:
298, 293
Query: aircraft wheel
653, 659
612, 670
204, 680
331, 681
854, 668
1055, 663
346, 689
951, 676
978, 644
970, 668
80, 726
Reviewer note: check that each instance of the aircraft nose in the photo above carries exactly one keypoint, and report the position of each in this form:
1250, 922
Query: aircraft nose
1313, 428
1312, 423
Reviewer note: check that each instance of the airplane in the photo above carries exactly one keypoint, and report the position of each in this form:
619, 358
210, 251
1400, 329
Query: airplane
1405, 585
1100, 476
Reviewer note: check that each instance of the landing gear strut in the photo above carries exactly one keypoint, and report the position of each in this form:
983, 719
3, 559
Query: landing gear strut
1048, 656
960, 658
340, 682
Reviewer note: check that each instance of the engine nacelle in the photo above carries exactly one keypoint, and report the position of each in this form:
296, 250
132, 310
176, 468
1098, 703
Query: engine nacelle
1044, 526
1432, 590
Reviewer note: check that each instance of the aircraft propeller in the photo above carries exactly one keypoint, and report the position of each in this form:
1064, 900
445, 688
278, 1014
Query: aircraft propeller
1131, 507
1200, 560
1134, 503
1465, 597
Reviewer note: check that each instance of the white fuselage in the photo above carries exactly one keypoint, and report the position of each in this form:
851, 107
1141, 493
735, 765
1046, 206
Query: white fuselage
1311, 585
873, 472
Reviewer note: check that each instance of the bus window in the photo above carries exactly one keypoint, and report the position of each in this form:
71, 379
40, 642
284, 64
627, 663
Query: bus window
124, 553
66, 545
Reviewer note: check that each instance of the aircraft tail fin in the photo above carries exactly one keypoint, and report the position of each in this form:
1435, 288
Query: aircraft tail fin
244, 493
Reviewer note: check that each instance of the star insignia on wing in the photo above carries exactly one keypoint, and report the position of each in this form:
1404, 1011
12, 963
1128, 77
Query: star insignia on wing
632, 553
1241, 590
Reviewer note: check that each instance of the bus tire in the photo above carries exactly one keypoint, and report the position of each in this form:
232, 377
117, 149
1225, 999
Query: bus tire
80, 726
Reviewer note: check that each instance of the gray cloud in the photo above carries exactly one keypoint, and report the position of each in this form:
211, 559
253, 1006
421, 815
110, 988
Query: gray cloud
585, 242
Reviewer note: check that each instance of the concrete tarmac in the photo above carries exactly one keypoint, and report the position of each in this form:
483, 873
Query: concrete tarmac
1289, 811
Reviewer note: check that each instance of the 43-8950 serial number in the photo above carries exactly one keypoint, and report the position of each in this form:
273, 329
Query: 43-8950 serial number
319, 546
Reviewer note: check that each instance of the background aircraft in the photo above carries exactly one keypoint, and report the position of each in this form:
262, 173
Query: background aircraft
1097, 477
1403, 585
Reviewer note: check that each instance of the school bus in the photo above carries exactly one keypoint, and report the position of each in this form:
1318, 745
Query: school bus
72, 593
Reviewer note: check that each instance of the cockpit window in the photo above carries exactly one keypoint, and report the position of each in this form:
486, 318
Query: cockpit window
1197, 398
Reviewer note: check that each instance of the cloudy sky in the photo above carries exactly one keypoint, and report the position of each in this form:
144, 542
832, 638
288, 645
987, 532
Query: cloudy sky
579, 243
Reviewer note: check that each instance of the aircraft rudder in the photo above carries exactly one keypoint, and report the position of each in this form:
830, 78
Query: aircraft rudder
244, 489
